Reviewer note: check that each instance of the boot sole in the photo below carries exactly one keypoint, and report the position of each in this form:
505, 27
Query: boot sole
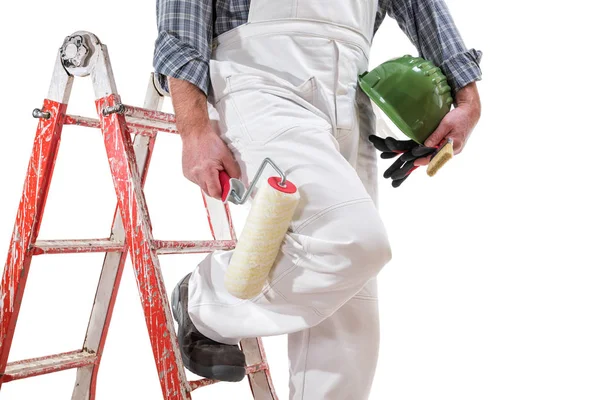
225, 373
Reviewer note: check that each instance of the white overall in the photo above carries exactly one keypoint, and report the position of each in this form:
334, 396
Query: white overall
285, 87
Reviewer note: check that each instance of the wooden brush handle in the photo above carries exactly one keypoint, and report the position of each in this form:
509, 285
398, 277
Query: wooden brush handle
440, 158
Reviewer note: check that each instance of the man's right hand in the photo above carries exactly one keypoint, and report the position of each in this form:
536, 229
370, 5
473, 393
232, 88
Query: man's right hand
204, 153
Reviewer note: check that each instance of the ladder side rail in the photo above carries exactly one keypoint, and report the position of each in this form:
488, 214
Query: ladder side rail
260, 381
31, 207
136, 221
112, 269
138, 231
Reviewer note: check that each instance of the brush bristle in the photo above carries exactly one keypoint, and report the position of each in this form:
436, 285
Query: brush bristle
441, 158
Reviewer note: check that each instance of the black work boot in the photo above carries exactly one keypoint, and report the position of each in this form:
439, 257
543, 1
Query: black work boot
201, 355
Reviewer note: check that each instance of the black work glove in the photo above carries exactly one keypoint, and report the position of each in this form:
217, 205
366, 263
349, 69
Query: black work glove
408, 150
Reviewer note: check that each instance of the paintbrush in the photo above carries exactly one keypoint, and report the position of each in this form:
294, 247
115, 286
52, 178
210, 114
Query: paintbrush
441, 156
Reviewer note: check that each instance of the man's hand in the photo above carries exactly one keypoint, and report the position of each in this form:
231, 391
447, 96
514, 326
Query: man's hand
204, 153
458, 123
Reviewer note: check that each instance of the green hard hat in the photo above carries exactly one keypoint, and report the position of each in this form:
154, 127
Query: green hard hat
412, 92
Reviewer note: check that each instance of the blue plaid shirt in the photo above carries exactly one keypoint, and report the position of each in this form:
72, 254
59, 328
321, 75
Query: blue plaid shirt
186, 29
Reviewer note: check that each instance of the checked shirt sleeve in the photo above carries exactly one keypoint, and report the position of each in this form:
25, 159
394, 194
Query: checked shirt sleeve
430, 27
183, 47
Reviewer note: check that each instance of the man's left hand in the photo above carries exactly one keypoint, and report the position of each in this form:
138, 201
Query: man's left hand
458, 123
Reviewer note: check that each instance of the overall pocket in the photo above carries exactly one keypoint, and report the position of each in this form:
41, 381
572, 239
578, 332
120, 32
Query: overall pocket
260, 108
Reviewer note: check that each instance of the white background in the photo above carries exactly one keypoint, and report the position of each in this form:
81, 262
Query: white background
494, 289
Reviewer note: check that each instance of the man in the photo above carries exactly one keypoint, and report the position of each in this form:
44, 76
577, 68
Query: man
282, 76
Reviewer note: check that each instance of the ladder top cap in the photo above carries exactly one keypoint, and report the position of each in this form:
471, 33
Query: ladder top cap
79, 51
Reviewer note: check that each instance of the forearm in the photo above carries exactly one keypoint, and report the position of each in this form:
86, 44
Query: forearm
468, 97
189, 103
203, 152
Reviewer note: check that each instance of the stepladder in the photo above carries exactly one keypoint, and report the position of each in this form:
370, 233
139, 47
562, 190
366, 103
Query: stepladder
129, 134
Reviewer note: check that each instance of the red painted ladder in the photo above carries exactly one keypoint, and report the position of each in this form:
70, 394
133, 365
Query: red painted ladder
83, 54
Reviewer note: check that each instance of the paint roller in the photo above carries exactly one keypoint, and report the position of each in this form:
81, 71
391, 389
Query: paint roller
269, 218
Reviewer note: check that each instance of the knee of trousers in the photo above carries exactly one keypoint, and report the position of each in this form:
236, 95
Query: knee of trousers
369, 253
346, 247
370, 250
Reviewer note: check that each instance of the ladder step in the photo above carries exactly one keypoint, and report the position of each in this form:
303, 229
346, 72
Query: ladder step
148, 115
76, 246
252, 369
192, 247
107, 245
135, 124
48, 364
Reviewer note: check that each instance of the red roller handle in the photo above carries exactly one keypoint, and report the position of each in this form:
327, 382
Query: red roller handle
224, 179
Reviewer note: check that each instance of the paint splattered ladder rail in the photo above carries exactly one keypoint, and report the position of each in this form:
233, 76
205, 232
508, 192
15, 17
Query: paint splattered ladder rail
82, 54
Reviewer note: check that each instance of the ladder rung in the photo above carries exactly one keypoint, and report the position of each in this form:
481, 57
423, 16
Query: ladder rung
76, 246
48, 364
252, 369
191, 247
142, 125
107, 245
134, 124
82, 121
148, 115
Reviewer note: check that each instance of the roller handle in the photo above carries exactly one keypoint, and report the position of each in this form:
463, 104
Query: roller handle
233, 189
225, 181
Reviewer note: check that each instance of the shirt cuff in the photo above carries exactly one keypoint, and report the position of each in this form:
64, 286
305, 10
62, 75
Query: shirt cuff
462, 69
176, 59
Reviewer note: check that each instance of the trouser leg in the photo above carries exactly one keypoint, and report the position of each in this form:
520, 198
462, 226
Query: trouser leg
336, 360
